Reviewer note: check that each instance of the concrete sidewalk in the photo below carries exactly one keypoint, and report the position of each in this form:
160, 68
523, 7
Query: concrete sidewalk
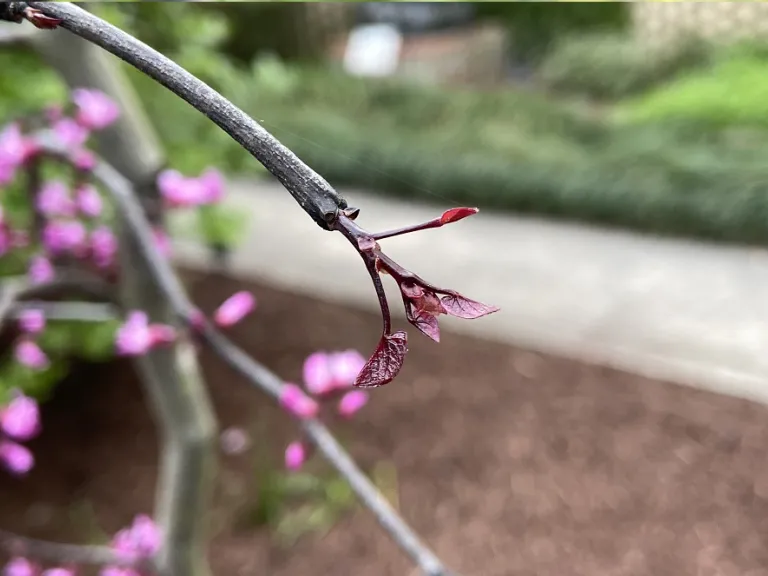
687, 312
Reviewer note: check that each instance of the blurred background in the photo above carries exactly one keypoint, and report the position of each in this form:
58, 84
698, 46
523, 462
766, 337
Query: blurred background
618, 152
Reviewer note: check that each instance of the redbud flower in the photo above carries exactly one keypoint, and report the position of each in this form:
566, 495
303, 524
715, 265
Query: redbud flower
136, 336
103, 246
181, 191
213, 185
95, 110
40, 270
32, 321
19, 567
20, 419
234, 309
351, 402
84, 160
64, 236
142, 538
293, 399
16, 458
53, 200
88, 200
70, 133
295, 455
345, 366
118, 571
14, 150
59, 572
325, 372
29, 354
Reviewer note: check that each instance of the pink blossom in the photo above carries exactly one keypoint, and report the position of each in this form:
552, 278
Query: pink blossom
70, 133
19, 567
118, 571
29, 354
324, 372
40, 270
53, 200
84, 160
162, 242
293, 399
59, 572
61, 236
16, 458
20, 419
352, 401
103, 246
141, 539
88, 200
32, 321
15, 148
95, 110
137, 336
180, 191
234, 309
295, 455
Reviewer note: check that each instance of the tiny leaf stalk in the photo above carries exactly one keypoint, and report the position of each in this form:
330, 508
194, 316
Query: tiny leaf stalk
424, 302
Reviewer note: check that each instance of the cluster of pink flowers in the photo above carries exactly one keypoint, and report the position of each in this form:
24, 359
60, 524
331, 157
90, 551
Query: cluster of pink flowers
140, 541
19, 422
328, 377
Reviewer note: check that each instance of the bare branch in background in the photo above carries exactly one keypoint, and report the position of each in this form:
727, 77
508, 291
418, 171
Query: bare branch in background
316, 196
257, 374
16, 545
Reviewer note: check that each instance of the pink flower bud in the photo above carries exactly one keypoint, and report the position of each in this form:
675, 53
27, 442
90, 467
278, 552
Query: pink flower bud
103, 246
88, 200
213, 186
32, 321
317, 374
64, 236
14, 147
53, 200
295, 455
234, 309
179, 191
95, 110
69, 133
133, 338
352, 401
29, 354
16, 458
345, 366
40, 270
19, 567
84, 160
20, 419
59, 572
293, 399
161, 334
146, 536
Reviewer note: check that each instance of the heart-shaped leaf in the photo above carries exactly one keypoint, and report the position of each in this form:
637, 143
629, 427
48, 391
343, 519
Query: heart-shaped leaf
386, 361
457, 305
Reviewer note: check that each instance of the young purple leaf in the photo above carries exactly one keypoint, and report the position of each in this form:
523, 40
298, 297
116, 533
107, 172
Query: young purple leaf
20, 419
386, 361
457, 305
16, 458
427, 324
456, 214
40, 20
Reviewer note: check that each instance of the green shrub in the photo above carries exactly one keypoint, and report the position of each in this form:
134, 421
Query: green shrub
608, 66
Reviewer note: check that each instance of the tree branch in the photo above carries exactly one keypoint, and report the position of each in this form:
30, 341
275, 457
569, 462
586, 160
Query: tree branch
257, 374
316, 196
16, 545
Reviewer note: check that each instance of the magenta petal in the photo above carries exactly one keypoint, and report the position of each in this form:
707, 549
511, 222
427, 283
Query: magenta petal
234, 309
295, 455
134, 338
317, 374
19, 567
352, 401
213, 184
58, 572
146, 536
29, 354
20, 419
88, 200
293, 399
40, 270
103, 246
345, 366
386, 362
53, 200
69, 133
95, 110
16, 458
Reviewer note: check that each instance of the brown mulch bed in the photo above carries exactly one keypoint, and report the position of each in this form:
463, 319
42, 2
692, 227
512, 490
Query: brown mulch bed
509, 462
